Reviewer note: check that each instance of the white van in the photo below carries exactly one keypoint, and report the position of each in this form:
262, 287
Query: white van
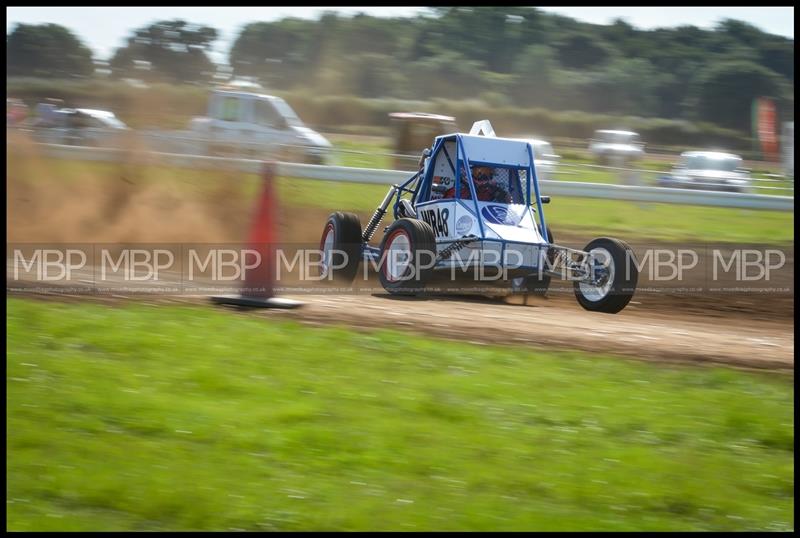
258, 125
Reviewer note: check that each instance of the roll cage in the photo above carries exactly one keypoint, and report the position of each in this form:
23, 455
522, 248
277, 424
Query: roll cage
473, 150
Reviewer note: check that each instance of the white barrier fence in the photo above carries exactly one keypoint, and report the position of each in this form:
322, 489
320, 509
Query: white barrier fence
388, 177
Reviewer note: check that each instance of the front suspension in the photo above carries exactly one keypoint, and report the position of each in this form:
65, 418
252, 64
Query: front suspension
380, 212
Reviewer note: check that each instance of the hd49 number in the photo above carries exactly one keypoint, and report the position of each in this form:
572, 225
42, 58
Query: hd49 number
437, 218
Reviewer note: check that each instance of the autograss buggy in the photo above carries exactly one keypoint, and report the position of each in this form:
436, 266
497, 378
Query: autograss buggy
447, 219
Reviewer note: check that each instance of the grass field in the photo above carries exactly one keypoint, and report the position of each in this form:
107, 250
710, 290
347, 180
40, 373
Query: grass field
190, 418
627, 220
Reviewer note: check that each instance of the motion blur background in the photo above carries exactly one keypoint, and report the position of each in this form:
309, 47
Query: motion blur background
130, 413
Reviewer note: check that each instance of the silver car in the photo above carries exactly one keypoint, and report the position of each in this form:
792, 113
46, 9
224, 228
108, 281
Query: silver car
708, 170
82, 127
615, 147
545, 157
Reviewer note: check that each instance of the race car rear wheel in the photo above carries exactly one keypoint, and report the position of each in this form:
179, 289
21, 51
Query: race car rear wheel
534, 284
408, 250
617, 277
341, 247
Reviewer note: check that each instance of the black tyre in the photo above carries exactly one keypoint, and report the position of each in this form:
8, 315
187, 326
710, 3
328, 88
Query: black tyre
616, 287
534, 284
408, 250
341, 247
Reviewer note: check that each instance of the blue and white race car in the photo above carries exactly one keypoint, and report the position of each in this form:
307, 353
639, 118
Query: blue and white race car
475, 208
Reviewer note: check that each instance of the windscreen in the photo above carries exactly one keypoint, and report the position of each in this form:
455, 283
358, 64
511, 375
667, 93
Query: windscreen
499, 184
286, 111
618, 138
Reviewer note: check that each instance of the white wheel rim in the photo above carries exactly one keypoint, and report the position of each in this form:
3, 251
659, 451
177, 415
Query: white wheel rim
398, 257
327, 247
595, 293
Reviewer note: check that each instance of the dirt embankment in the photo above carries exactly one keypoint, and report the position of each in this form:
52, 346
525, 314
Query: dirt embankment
117, 207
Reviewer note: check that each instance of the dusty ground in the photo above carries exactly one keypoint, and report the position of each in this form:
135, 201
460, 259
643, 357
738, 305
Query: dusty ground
744, 329
554, 323
641, 330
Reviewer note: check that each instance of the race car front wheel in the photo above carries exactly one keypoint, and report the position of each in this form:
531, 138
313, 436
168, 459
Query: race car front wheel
614, 270
408, 251
341, 247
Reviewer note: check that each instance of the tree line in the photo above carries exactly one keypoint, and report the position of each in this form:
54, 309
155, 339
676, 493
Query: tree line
504, 56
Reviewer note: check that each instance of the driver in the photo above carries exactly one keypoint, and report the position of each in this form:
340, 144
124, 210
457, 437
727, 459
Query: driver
488, 187
451, 192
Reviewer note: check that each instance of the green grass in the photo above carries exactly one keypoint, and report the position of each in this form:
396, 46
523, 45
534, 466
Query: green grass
179, 418
628, 220
362, 152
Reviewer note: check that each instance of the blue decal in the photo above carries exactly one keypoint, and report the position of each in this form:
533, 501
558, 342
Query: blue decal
498, 214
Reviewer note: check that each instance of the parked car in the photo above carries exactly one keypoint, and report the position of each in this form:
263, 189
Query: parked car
708, 170
611, 146
544, 157
81, 127
244, 123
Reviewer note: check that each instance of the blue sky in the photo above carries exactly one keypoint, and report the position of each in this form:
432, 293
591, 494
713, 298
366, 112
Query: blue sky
104, 28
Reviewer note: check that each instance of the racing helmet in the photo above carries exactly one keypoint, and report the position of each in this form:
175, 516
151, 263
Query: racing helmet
482, 173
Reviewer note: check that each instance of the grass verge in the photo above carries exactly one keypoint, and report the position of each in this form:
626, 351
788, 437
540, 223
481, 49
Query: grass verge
190, 418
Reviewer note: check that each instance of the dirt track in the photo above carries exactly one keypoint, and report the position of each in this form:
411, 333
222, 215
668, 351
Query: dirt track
556, 322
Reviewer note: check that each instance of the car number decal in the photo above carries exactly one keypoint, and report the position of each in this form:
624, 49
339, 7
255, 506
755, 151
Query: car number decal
437, 218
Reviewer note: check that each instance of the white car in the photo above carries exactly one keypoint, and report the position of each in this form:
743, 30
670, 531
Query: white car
708, 170
610, 146
545, 157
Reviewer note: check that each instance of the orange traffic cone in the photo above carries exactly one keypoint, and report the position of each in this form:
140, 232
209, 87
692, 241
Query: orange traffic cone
259, 282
